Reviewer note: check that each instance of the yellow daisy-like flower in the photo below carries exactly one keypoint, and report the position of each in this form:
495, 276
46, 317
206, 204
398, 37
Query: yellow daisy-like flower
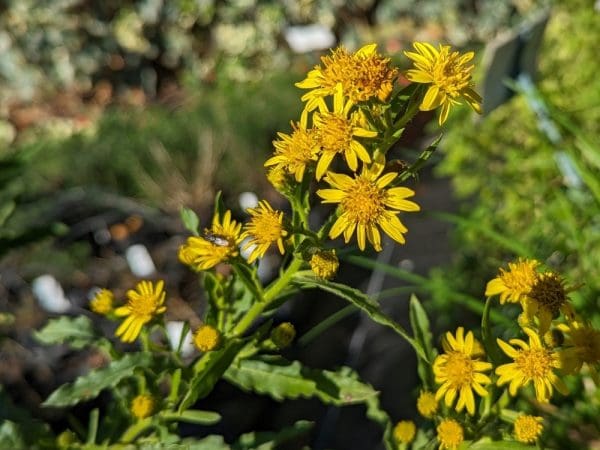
460, 373
366, 204
532, 363
528, 428
546, 299
336, 132
219, 244
324, 264
448, 74
427, 405
278, 177
102, 303
514, 285
405, 431
143, 304
142, 406
581, 346
363, 75
264, 229
207, 338
450, 434
294, 152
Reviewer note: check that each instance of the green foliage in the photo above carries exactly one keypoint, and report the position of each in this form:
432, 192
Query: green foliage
89, 386
269, 440
77, 332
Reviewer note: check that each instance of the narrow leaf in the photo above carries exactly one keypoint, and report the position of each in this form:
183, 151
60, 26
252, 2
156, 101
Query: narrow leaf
422, 333
193, 416
190, 220
363, 302
282, 379
208, 370
268, 440
76, 332
486, 444
379, 416
89, 386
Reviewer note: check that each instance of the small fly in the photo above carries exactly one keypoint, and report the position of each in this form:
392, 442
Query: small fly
216, 239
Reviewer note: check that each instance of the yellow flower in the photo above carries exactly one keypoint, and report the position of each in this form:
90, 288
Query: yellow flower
427, 404
405, 431
514, 285
293, 152
459, 372
283, 335
264, 229
363, 75
207, 338
219, 244
336, 131
581, 346
532, 362
324, 264
448, 75
528, 428
142, 406
143, 303
102, 303
450, 434
546, 299
366, 204
278, 178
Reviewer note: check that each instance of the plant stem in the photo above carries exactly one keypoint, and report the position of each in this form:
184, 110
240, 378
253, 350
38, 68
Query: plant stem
134, 430
270, 294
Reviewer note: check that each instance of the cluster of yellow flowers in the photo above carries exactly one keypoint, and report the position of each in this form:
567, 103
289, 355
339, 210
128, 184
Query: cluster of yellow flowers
556, 345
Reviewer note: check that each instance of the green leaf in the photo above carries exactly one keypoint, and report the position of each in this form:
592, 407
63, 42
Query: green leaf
414, 168
219, 205
282, 379
89, 386
193, 416
268, 440
247, 275
208, 370
212, 442
77, 332
486, 444
11, 436
422, 332
190, 220
362, 301
379, 416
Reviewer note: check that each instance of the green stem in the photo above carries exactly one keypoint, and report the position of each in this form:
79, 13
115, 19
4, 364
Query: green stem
270, 294
134, 430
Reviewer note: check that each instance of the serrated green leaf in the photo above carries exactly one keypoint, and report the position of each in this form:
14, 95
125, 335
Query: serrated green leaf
77, 332
194, 416
362, 301
89, 386
282, 379
208, 370
268, 440
190, 220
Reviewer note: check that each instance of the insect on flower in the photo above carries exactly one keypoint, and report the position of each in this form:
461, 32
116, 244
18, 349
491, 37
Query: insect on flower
216, 239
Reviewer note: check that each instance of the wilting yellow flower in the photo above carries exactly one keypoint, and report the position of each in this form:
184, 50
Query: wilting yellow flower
532, 363
405, 431
427, 404
363, 75
207, 338
336, 132
143, 304
264, 229
546, 299
294, 152
278, 178
581, 346
324, 264
450, 434
102, 303
448, 75
528, 428
283, 335
514, 285
142, 406
219, 244
366, 204
460, 373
